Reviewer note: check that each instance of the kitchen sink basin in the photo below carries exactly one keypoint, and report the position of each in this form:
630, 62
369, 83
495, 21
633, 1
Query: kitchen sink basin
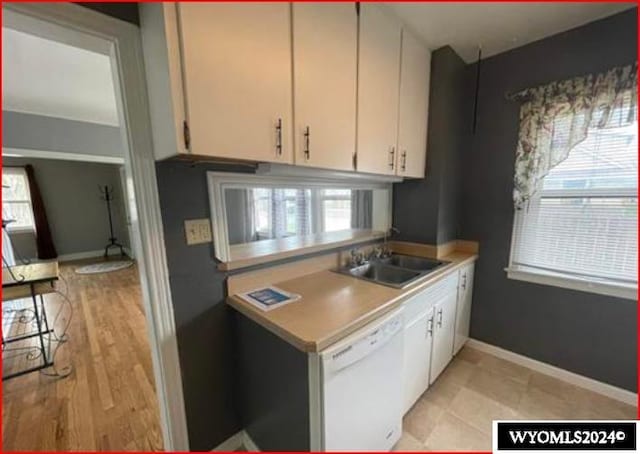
383, 273
395, 271
411, 263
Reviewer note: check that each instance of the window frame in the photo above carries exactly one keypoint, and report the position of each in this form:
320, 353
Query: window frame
11, 228
598, 285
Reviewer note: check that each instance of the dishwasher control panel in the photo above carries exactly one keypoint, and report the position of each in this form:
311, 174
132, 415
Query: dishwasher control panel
363, 342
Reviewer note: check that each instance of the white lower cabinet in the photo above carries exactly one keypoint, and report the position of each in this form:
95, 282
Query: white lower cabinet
463, 311
428, 336
443, 331
418, 336
436, 328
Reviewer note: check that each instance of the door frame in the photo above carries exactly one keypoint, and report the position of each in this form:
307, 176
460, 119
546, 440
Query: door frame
148, 239
128, 202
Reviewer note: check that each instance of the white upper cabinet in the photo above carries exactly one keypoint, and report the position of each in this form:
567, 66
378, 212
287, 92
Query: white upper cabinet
287, 83
325, 58
414, 107
237, 79
378, 86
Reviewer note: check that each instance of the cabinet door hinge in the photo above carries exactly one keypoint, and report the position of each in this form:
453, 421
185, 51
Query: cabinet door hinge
355, 161
186, 135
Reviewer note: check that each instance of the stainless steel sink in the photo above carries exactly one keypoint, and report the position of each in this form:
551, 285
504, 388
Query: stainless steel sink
384, 273
411, 263
395, 271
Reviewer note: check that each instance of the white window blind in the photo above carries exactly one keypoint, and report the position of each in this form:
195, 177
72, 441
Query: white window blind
584, 221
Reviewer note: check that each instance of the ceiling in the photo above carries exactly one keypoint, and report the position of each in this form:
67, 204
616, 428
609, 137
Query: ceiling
496, 26
45, 77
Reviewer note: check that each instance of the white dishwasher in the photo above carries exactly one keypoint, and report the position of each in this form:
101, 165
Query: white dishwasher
362, 388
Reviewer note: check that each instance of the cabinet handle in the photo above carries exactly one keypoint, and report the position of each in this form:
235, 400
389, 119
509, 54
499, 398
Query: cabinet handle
404, 160
430, 327
464, 281
307, 141
279, 137
440, 318
393, 155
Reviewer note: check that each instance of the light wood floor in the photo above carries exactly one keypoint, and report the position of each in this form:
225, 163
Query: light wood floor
456, 412
108, 402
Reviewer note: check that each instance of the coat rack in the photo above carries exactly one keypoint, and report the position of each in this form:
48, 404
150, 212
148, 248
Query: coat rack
107, 196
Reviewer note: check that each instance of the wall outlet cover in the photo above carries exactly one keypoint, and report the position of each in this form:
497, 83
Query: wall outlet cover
197, 231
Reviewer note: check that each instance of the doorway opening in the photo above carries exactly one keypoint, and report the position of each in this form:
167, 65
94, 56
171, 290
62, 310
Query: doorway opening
89, 351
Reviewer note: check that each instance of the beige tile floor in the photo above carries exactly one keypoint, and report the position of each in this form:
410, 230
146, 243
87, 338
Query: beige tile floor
456, 412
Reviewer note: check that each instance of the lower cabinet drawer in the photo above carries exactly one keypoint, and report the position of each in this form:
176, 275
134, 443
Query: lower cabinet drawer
419, 303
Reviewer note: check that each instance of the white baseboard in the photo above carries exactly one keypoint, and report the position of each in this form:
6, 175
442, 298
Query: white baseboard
236, 441
86, 255
80, 255
249, 444
233, 443
605, 389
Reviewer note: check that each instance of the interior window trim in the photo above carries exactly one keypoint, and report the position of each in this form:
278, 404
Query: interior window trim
218, 182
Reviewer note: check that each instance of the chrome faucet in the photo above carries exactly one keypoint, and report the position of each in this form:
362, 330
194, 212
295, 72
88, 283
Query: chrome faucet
357, 258
386, 252
376, 253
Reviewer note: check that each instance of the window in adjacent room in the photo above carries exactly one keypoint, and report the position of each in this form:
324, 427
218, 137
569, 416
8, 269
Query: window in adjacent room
16, 200
579, 228
336, 210
279, 213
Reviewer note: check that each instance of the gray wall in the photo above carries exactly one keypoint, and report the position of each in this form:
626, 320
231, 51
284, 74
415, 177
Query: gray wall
273, 385
236, 202
204, 322
77, 216
39, 132
426, 210
582, 332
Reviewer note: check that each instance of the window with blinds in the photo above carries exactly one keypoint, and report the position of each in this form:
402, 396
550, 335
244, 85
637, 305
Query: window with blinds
584, 222
16, 200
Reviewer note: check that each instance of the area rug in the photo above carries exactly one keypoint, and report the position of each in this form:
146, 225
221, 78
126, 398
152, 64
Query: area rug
104, 267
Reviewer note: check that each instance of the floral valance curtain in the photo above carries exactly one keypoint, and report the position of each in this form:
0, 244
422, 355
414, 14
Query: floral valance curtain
556, 117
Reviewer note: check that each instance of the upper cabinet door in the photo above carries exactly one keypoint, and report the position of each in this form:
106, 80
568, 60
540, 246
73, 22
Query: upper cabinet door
378, 85
236, 62
324, 55
414, 107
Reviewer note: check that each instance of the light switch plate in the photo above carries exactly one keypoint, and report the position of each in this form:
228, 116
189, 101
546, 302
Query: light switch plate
197, 231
